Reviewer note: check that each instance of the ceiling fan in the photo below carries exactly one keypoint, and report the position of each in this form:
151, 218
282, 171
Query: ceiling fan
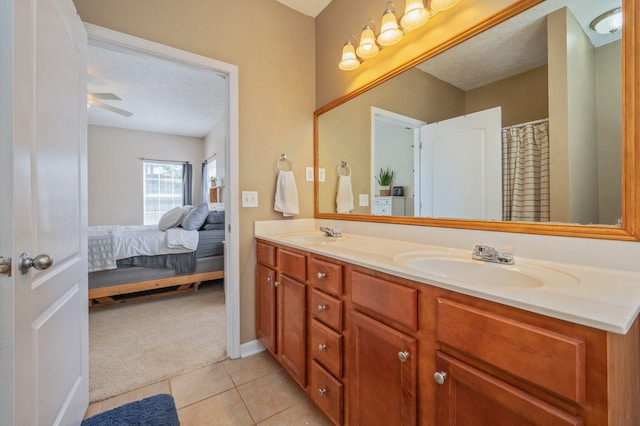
92, 100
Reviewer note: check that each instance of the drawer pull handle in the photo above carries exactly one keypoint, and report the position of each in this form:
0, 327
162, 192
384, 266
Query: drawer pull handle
403, 356
439, 377
322, 391
277, 283
321, 308
321, 347
321, 275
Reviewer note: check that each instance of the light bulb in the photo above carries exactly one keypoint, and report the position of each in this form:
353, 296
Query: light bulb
367, 47
349, 61
415, 15
389, 32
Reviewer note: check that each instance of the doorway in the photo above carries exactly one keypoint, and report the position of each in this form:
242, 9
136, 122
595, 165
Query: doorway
103, 36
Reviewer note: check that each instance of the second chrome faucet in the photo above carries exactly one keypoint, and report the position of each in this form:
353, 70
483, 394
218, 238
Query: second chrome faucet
490, 254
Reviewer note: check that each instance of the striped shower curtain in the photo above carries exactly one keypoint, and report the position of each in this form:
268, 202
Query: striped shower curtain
525, 172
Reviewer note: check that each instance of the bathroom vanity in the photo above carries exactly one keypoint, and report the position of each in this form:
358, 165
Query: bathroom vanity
375, 340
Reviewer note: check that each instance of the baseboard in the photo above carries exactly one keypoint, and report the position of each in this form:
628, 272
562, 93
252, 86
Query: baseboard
251, 348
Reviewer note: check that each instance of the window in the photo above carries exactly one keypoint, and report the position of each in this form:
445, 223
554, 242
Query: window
162, 189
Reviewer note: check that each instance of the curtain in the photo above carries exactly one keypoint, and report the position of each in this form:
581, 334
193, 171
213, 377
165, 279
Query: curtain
204, 187
525, 172
187, 177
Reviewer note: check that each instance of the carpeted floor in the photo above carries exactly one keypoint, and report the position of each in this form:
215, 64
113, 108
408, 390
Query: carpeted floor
135, 344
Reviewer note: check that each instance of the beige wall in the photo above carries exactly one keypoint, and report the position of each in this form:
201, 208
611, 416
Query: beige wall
572, 118
115, 170
522, 97
273, 47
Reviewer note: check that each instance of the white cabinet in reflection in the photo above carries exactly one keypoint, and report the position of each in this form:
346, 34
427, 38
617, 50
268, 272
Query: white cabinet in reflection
388, 206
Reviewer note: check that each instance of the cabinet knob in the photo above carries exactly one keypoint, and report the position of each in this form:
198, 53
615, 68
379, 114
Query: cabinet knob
321, 275
403, 356
439, 377
322, 391
322, 347
269, 279
321, 308
276, 283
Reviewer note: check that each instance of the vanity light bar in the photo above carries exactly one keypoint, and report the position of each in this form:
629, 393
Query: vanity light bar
415, 15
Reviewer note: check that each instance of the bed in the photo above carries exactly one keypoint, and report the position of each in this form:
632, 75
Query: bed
133, 262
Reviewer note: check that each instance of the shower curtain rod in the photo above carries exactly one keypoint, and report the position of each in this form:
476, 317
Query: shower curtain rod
524, 124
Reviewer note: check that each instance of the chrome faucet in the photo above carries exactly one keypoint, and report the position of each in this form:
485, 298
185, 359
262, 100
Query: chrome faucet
331, 231
490, 254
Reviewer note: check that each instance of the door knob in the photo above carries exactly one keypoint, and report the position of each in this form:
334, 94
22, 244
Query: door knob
439, 377
40, 262
403, 356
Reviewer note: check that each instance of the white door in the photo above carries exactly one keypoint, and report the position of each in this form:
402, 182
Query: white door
461, 167
44, 314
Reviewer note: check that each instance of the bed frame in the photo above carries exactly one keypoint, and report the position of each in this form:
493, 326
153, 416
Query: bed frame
102, 296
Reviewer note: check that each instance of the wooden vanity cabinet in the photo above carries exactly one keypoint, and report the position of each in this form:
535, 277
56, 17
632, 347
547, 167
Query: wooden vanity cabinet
281, 306
383, 351
373, 349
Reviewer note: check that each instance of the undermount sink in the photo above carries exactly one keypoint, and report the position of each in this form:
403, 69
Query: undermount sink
475, 272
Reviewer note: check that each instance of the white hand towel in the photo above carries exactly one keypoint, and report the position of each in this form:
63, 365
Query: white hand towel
286, 200
344, 197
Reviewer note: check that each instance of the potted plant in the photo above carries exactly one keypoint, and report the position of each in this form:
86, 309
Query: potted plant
213, 181
384, 180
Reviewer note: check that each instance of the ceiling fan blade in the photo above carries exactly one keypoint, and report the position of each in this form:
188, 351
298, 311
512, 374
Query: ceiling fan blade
111, 108
109, 96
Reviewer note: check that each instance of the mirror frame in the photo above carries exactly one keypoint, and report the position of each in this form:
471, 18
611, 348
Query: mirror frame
630, 229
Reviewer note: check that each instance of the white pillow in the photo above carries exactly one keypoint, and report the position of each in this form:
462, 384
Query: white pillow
172, 218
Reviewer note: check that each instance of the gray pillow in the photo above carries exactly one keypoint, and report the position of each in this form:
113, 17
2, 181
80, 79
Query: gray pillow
196, 217
172, 218
216, 217
213, 227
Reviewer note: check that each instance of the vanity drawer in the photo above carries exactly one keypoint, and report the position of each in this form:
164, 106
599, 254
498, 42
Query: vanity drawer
326, 276
327, 392
293, 264
266, 254
326, 347
546, 358
326, 309
397, 303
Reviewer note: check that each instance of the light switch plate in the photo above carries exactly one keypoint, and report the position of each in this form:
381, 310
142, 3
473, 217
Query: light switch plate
364, 200
309, 174
321, 174
249, 198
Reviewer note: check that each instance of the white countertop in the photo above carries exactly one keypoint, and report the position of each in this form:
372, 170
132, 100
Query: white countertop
601, 298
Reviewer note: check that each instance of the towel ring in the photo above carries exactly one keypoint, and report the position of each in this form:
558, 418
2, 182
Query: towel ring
344, 165
285, 158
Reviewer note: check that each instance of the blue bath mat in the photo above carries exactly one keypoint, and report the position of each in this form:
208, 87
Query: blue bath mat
158, 410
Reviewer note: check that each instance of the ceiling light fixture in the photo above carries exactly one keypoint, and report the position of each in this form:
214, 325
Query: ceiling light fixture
609, 22
415, 15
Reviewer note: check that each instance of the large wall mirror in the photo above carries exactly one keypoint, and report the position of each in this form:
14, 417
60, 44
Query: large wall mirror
527, 126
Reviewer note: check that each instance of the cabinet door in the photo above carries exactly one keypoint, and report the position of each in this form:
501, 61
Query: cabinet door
266, 307
292, 342
470, 397
382, 386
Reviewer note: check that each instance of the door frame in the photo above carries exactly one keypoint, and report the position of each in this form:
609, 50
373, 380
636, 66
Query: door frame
103, 35
405, 121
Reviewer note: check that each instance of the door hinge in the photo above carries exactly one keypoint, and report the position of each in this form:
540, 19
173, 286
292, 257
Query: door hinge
5, 267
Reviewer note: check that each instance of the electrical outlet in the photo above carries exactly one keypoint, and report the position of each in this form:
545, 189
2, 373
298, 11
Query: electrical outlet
364, 200
309, 174
321, 174
249, 198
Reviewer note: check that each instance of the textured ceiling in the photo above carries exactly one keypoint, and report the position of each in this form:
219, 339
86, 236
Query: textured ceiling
515, 46
164, 96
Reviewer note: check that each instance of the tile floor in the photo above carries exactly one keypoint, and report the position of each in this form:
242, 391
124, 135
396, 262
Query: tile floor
247, 391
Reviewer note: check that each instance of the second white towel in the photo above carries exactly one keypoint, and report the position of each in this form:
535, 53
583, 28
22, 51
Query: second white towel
344, 197
286, 194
